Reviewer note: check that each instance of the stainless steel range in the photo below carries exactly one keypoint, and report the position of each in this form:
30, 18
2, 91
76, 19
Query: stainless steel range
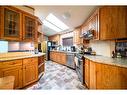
79, 66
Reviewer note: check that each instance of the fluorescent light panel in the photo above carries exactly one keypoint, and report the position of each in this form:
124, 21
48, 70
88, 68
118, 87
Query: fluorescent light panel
54, 20
48, 24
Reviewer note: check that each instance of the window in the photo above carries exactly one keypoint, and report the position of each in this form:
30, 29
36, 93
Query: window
68, 41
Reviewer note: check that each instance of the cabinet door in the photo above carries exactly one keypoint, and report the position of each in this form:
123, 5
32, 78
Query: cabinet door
30, 74
108, 77
15, 71
77, 34
94, 26
29, 28
113, 22
122, 77
63, 59
92, 75
87, 73
11, 23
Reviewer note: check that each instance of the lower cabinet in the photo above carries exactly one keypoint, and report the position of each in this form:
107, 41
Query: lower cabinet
30, 70
14, 71
12, 68
59, 57
25, 71
104, 76
87, 72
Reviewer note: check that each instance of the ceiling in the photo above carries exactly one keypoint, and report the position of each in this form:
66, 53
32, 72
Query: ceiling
78, 14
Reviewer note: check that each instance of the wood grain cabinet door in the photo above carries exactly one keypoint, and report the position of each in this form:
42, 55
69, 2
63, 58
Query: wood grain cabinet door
108, 77
92, 75
29, 28
30, 74
87, 73
14, 71
113, 22
11, 23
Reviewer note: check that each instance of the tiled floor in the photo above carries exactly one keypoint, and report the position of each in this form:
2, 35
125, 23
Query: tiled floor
58, 77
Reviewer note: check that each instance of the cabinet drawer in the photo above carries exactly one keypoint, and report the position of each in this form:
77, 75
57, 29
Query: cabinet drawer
10, 63
29, 61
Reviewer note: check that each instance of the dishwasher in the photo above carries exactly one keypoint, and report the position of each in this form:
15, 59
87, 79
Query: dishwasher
70, 60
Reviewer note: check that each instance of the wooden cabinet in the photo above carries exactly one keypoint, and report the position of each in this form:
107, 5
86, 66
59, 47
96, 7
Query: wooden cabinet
29, 28
25, 71
77, 39
110, 77
103, 76
107, 23
17, 25
16, 72
11, 24
62, 58
92, 24
41, 65
87, 72
12, 68
58, 57
113, 22
92, 75
30, 70
55, 38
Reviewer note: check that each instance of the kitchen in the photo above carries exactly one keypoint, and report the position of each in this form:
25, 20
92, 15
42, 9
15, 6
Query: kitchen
39, 51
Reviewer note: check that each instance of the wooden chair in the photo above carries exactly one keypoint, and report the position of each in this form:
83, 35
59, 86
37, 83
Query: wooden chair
7, 83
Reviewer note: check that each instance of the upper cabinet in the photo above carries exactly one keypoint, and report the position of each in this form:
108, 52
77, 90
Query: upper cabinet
29, 28
17, 25
107, 23
55, 38
92, 24
77, 39
11, 24
113, 22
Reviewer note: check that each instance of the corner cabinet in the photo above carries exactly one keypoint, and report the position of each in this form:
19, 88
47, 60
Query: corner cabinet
29, 28
104, 76
17, 25
11, 23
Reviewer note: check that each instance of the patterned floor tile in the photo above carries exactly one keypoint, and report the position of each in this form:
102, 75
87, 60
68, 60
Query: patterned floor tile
58, 77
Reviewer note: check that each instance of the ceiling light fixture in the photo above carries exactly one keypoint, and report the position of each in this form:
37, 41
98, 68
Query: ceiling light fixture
57, 24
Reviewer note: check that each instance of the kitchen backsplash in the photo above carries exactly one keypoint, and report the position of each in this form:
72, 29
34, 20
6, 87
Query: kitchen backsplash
121, 47
3, 46
6, 46
103, 48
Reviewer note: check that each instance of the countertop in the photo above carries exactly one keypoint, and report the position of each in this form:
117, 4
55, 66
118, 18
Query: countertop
122, 62
18, 55
63, 51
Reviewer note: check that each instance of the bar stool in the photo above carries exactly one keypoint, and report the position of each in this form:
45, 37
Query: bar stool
7, 82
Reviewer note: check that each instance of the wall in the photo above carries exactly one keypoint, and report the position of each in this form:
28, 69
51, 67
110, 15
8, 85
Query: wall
3, 46
103, 48
13, 46
26, 46
16, 46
